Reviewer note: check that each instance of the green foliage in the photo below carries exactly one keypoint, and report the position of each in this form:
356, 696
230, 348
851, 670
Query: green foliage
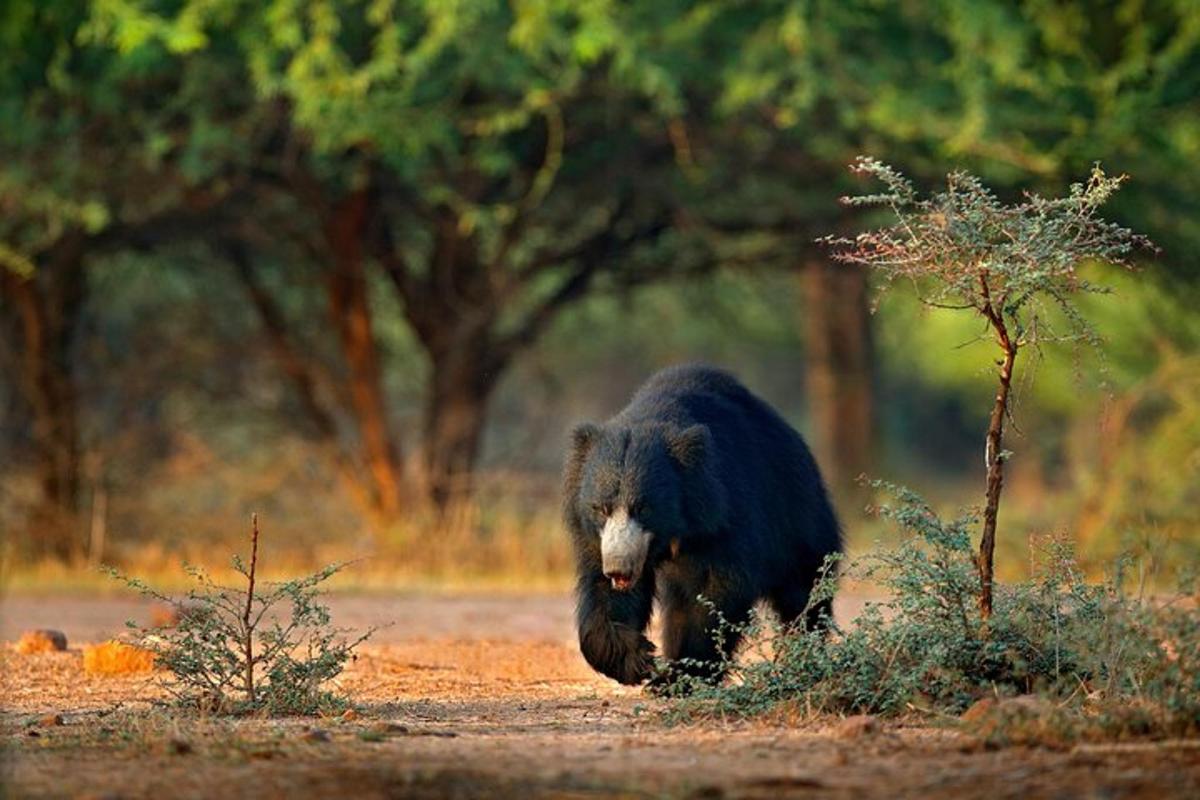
491, 108
520, 129
1139, 468
1141, 320
241, 651
1093, 648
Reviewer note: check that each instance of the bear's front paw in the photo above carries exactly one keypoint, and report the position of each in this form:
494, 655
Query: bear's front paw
620, 652
638, 663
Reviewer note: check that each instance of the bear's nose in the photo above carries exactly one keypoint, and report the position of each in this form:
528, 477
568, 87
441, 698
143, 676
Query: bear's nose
620, 580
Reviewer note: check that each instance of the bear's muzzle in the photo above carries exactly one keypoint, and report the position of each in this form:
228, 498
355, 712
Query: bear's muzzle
623, 547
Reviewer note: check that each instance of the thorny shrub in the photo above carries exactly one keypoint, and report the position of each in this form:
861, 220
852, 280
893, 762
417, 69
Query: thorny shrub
1113, 661
240, 650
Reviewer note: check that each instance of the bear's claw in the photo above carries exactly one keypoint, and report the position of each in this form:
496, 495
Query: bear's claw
620, 652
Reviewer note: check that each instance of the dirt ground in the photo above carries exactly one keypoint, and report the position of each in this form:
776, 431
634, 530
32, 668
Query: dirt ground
469, 697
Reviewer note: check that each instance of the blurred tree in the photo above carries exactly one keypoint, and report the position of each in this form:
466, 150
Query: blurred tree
1020, 93
97, 153
496, 161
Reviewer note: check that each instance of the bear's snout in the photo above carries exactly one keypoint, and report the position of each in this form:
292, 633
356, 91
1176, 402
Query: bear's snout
623, 548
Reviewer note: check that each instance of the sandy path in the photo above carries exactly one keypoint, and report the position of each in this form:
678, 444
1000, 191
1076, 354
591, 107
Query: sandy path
403, 617
487, 697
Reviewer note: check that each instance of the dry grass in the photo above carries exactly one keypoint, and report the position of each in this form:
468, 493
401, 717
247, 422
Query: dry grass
483, 547
116, 658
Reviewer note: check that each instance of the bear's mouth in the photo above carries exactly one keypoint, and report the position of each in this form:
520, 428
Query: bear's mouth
621, 581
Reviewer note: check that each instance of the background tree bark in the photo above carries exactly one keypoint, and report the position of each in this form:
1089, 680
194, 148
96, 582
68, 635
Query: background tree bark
350, 311
48, 306
837, 328
462, 380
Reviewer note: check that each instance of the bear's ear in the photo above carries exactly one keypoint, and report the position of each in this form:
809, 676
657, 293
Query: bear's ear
583, 439
689, 447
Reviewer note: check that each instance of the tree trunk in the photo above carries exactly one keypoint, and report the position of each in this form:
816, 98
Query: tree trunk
839, 375
464, 375
48, 306
994, 457
350, 309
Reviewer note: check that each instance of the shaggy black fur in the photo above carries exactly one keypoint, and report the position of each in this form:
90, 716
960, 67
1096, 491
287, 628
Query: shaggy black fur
733, 500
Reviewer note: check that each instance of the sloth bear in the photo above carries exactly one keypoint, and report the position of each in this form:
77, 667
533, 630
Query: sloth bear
696, 488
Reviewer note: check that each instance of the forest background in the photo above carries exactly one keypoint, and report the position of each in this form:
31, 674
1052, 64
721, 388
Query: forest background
359, 265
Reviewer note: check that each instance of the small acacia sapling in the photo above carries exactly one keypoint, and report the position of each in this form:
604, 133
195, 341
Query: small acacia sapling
1008, 263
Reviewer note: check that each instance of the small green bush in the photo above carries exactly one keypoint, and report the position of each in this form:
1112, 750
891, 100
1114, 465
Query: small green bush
1098, 651
242, 651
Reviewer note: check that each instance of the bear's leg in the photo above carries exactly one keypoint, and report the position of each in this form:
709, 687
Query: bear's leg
690, 628
611, 625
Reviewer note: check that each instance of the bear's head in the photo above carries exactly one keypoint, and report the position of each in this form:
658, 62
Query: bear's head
642, 491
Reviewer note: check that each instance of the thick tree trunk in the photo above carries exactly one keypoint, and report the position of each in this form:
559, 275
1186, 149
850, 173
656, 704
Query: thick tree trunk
839, 374
48, 306
350, 310
464, 375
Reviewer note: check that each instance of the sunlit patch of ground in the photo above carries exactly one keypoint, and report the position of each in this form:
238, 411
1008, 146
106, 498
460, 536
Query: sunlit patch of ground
488, 698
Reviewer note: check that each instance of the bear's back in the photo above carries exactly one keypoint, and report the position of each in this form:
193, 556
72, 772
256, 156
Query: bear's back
691, 393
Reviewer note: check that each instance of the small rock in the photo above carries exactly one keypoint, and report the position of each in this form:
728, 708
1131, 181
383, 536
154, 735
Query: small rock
51, 721
315, 735
389, 727
857, 726
179, 747
44, 640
